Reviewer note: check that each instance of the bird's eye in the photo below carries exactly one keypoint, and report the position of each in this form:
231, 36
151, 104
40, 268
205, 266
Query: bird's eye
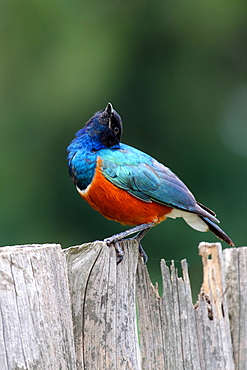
116, 130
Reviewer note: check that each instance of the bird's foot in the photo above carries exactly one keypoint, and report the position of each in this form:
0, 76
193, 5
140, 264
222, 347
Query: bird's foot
117, 237
143, 254
138, 238
114, 240
119, 252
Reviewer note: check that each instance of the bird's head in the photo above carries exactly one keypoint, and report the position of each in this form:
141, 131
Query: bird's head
104, 129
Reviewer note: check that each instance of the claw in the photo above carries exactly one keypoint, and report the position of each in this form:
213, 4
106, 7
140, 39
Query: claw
143, 254
118, 249
119, 252
115, 239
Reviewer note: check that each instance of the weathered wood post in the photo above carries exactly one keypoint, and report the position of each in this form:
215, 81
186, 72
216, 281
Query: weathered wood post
35, 309
77, 309
103, 306
235, 265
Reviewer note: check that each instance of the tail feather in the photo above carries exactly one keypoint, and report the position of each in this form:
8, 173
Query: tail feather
217, 230
207, 209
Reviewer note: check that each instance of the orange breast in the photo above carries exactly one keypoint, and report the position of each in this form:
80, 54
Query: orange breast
118, 205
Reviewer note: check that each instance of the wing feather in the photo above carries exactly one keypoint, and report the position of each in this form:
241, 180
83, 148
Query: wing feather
147, 179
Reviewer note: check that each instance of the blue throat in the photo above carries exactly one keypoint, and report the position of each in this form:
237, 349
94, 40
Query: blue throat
82, 157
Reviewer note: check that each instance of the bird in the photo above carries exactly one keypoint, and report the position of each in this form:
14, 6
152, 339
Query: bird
128, 186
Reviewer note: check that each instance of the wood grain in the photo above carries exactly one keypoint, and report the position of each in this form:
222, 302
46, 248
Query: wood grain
235, 260
103, 306
35, 322
79, 309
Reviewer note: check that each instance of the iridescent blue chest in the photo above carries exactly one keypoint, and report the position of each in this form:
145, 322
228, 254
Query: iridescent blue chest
82, 163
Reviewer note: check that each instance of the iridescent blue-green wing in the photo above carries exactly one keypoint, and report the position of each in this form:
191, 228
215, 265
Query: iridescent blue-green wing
146, 178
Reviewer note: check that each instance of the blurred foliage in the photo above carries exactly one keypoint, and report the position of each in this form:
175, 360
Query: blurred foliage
177, 74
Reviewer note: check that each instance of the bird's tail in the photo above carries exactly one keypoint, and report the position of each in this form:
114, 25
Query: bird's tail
217, 230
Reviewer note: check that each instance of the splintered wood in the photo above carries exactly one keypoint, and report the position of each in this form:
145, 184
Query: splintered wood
77, 309
213, 326
213, 275
167, 325
175, 334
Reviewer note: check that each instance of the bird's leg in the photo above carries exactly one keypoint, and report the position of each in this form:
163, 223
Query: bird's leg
115, 239
137, 229
138, 238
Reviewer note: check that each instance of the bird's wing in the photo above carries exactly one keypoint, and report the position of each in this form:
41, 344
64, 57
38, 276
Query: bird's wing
145, 178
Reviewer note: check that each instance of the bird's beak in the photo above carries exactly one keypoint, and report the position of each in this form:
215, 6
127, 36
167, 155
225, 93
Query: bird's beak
109, 111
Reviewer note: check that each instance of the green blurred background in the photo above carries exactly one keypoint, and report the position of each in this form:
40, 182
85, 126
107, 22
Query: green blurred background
176, 71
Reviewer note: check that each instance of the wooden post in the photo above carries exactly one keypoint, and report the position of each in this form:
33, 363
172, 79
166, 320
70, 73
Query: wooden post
235, 260
212, 313
103, 306
119, 319
35, 309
